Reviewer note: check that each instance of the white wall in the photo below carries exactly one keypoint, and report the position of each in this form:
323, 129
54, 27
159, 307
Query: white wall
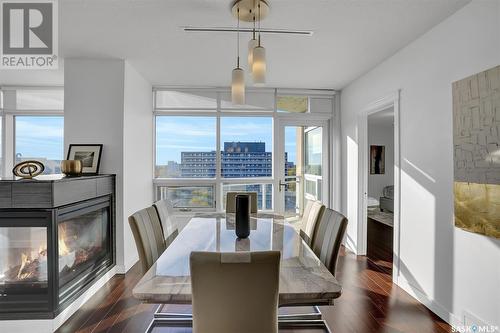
107, 101
454, 272
381, 134
93, 113
138, 153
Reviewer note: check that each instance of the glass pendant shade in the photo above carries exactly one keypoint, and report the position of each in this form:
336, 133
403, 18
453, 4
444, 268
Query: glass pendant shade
259, 65
252, 44
238, 86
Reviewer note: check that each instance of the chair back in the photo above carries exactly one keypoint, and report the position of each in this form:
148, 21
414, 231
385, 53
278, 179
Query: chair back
148, 236
165, 211
312, 213
231, 201
235, 292
328, 238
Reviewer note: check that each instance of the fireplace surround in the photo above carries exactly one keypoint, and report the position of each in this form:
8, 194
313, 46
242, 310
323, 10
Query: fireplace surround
56, 239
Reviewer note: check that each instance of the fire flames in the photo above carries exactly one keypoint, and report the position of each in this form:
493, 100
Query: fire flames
73, 251
30, 264
21, 275
63, 248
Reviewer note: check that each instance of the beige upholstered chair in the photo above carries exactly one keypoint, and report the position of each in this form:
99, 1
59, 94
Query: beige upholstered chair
235, 292
146, 228
165, 211
310, 218
328, 238
231, 201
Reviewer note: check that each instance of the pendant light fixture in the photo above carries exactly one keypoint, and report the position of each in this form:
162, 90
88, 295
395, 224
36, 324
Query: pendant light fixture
238, 75
252, 44
259, 60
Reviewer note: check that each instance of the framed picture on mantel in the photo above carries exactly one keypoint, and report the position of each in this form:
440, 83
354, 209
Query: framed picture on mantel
88, 154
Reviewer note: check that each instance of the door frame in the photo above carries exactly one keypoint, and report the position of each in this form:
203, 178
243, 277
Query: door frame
387, 101
280, 124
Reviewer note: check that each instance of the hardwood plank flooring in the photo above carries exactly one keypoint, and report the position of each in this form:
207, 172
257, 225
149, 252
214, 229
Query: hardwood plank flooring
370, 303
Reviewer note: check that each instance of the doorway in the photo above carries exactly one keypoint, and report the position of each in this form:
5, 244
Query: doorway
389, 106
380, 189
302, 171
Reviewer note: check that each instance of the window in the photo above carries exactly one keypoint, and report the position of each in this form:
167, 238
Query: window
1, 143
185, 147
33, 127
188, 196
182, 100
296, 104
52, 99
40, 138
313, 157
264, 193
205, 146
246, 144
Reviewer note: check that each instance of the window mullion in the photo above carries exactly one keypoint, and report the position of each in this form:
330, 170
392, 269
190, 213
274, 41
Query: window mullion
8, 133
218, 166
8, 137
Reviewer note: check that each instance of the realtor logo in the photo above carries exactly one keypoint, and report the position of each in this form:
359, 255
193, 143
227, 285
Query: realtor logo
29, 34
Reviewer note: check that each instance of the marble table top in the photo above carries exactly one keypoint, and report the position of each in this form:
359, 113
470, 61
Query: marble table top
303, 278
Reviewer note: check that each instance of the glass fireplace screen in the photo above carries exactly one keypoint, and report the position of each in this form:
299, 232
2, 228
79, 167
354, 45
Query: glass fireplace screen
23, 256
82, 242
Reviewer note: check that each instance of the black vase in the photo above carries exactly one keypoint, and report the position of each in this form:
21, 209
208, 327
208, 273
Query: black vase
242, 218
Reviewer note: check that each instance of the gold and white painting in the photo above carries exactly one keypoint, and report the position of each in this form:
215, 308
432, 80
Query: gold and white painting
476, 140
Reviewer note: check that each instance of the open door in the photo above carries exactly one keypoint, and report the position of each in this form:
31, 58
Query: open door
302, 170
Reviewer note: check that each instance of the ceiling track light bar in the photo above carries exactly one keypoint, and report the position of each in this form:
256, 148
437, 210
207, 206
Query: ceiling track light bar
250, 30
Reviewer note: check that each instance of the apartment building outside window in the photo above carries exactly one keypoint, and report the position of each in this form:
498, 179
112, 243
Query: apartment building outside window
205, 146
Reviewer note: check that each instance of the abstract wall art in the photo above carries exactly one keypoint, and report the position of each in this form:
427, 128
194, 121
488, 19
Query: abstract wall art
377, 160
476, 140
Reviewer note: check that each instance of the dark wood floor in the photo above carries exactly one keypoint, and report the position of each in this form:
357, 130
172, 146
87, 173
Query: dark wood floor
380, 244
370, 303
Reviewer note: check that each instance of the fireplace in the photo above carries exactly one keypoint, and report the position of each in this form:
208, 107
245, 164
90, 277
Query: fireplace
83, 244
48, 257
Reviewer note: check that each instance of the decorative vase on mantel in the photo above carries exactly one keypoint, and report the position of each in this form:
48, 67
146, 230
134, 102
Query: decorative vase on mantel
242, 219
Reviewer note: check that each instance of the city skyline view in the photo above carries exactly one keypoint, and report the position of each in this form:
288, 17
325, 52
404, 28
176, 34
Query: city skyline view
175, 135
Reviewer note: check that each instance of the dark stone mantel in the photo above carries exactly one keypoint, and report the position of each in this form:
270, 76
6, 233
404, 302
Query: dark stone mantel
51, 191
50, 178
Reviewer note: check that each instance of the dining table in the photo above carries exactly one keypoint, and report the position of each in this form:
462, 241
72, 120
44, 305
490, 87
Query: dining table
304, 279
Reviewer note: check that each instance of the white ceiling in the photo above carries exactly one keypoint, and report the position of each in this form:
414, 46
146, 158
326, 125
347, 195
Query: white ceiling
350, 37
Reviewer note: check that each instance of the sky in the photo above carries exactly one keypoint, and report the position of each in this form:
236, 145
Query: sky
291, 143
40, 137
177, 134
43, 136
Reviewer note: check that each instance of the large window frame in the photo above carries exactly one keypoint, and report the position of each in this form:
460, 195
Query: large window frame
219, 112
8, 113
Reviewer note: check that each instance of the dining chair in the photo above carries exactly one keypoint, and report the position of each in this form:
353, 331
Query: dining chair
148, 236
231, 201
312, 214
165, 212
235, 292
328, 238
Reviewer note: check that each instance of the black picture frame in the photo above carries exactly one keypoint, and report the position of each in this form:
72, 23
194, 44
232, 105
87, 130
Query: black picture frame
96, 148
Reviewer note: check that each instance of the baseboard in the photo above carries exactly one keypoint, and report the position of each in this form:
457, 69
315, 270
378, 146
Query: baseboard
429, 303
120, 269
51, 325
350, 245
129, 264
